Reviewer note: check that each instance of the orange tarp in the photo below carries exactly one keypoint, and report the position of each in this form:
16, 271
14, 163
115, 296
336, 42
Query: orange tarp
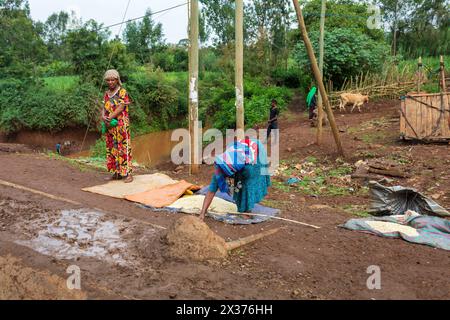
164, 196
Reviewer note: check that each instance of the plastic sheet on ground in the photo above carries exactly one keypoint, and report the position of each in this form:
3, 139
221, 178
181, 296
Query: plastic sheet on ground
415, 228
141, 183
163, 196
159, 192
397, 200
265, 212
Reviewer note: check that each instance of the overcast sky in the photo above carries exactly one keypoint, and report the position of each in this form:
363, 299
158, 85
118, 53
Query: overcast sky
111, 11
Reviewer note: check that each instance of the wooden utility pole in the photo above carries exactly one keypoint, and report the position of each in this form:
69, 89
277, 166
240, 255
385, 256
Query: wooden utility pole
419, 75
442, 73
321, 53
318, 76
395, 30
193, 87
239, 68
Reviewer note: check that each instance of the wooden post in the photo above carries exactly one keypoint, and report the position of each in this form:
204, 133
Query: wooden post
318, 77
239, 68
419, 81
321, 53
442, 71
193, 87
395, 30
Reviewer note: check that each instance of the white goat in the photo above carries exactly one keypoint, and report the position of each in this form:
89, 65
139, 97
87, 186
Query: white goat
356, 98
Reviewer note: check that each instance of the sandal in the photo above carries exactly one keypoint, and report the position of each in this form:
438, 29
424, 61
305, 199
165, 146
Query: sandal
129, 178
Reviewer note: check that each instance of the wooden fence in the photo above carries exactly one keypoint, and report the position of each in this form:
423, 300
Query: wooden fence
425, 117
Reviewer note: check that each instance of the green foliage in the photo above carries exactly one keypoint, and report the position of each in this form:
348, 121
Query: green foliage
29, 105
171, 59
422, 26
161, 101
87, 47
257, 101
98, 150
54, 32
357, 210
144, 38
219, 20
347, 54
92, 53
62, 83
57, 68
291, 78
22, 49
340, 14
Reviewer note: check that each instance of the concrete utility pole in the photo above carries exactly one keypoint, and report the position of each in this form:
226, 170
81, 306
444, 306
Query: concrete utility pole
318, 76
321, 53
239, 68
193, 88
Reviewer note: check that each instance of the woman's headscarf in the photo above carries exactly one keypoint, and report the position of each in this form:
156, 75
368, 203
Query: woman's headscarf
311, 94
112, 73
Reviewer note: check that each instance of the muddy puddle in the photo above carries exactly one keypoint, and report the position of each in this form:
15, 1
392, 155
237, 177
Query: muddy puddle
78, 233
73, 234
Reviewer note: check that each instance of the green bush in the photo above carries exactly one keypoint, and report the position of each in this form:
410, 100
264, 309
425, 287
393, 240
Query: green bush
29, 105
348, 53
257, 103
57, 68
98, 150
159, 102
163, 101
61, 83
291, 78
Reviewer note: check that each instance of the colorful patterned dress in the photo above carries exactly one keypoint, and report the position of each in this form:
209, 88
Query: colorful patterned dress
118, 139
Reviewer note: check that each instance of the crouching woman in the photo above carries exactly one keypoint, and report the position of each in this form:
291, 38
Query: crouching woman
244, 164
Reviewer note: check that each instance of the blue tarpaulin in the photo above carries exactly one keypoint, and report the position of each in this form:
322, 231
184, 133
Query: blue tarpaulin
238, 219
431, 231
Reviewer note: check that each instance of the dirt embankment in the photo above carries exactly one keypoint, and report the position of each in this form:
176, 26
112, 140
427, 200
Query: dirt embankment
70, 139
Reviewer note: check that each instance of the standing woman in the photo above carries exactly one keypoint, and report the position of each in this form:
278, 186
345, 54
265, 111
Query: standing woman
118, 139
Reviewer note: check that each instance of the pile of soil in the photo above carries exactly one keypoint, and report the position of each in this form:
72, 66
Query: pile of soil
189, 238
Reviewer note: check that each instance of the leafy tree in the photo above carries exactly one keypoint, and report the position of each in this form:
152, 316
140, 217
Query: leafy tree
347, 54
348, 14
12, 8
144, 38
428, 30
268, 24
55, 30
22, 48
218, 17
87, 47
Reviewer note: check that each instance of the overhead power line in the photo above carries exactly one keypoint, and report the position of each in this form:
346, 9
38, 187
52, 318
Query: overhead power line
141, 17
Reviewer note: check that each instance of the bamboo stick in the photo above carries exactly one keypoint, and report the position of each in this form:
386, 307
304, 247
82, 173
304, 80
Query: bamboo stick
252, 238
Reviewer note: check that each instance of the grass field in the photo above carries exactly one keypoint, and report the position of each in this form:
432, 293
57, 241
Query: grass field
61, 83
